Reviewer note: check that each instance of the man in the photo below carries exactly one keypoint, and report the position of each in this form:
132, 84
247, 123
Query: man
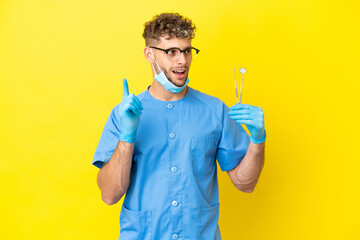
160, 147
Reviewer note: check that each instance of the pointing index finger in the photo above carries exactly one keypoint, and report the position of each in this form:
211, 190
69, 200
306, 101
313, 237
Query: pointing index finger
125, 88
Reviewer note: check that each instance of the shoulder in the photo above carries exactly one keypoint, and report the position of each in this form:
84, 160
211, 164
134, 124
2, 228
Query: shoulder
207, 99
142, 95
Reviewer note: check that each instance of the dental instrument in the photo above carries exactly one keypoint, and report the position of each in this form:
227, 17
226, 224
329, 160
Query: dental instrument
242, 71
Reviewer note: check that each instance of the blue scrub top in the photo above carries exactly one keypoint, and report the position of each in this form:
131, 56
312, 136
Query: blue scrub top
173, 193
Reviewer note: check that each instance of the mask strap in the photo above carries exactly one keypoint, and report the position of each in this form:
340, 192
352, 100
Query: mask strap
152, 65
155, 62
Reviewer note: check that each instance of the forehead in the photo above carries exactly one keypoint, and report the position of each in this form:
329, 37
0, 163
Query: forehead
174, 42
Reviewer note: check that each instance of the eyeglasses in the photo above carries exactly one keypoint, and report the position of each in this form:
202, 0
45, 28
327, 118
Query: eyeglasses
173, 54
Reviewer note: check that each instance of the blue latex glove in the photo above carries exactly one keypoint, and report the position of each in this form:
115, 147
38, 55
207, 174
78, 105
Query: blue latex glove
253, 118
129, 110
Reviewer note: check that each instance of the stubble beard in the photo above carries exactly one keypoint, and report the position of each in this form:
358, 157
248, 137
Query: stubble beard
172, 81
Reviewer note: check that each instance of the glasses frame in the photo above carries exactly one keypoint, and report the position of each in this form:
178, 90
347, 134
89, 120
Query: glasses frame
181, 51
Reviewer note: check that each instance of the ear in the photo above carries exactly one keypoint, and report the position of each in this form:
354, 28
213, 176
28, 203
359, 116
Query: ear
148, 55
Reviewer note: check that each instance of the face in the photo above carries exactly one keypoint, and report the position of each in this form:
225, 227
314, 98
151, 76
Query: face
177, 72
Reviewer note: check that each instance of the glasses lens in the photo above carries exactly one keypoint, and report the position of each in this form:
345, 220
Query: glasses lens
174, 54
190, 53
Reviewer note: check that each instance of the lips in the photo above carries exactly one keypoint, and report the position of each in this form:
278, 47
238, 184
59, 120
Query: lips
179, 73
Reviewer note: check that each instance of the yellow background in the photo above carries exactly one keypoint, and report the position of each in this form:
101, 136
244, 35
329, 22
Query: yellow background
61, 69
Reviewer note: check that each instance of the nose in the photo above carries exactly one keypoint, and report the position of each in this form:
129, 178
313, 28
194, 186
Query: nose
182, 58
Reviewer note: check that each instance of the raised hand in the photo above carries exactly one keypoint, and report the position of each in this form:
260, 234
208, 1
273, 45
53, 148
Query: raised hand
130, 111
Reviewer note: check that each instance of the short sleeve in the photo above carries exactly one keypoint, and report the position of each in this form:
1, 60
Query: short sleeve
108, 140
233, 143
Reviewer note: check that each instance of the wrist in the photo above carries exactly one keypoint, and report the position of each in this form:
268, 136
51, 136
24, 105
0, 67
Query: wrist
258, 140
127, 137
125, 146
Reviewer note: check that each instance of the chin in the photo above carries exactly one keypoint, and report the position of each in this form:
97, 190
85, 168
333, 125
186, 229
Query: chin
179, 83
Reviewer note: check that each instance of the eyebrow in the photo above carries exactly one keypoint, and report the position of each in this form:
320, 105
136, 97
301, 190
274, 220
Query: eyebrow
180, 48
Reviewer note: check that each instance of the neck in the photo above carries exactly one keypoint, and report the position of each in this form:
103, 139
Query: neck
159, 92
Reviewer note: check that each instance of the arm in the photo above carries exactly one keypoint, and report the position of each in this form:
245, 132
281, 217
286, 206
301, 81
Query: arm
114, 176
246, 175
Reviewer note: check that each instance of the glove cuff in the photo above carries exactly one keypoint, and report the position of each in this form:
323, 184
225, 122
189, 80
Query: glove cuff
127, 139
257, 141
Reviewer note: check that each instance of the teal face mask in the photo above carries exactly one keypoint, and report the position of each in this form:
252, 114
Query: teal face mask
164, 81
